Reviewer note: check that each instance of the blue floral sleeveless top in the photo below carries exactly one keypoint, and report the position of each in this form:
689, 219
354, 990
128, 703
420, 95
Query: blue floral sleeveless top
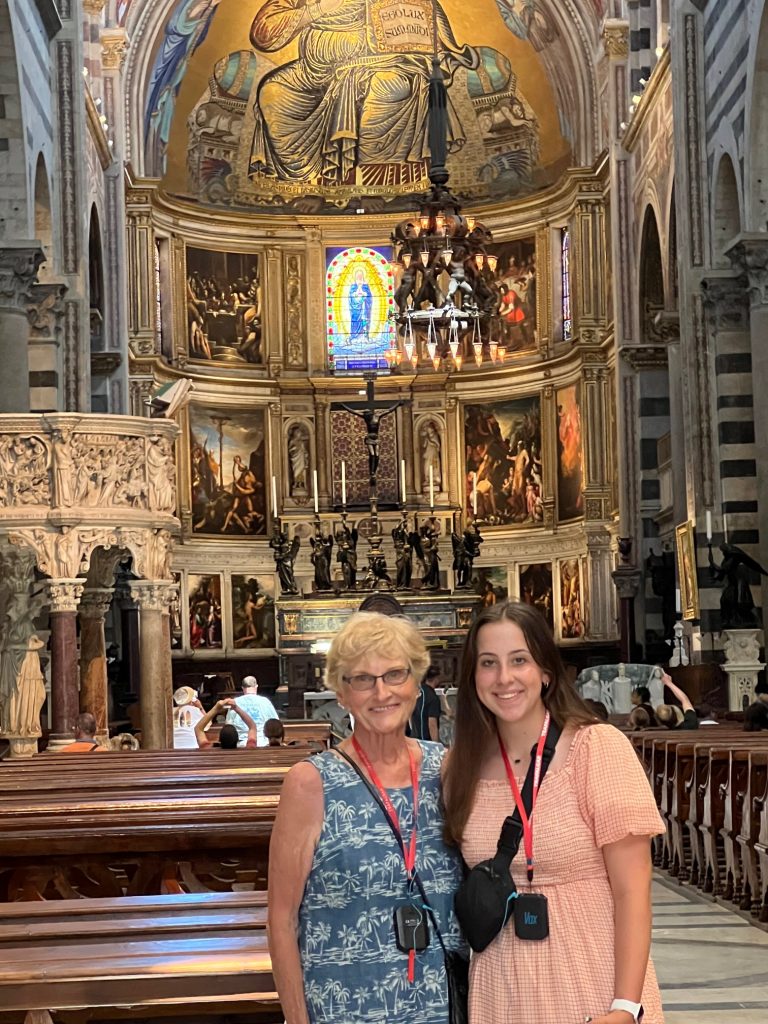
353, 971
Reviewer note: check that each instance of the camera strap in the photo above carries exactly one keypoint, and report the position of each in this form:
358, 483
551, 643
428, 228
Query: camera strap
515, 827
379, 793
396, 832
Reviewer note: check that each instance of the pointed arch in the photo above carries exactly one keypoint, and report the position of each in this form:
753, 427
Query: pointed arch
726, 210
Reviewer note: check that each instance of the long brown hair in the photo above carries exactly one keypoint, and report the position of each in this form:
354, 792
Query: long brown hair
475, 725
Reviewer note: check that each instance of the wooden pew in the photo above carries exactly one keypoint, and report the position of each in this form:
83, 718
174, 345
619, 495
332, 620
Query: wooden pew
138, 823
753, 803
204, 954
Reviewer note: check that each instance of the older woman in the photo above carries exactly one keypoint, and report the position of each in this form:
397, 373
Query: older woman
344, 930
579, 951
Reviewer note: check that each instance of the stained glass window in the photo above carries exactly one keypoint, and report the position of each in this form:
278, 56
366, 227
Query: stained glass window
565, 263
359, 297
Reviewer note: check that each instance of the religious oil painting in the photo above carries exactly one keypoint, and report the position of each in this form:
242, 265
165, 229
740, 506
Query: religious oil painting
570, 454
227, 471
490, 582
280, 104
358, 302
503, 462
205, 630
515, 282
572, 626
253, 611
536, 588
223, 304
686, 571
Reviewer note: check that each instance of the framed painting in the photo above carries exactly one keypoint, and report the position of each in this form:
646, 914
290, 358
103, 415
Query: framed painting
359, 297
502, 442
570, 454
536, 588
515, 280
205, 624
227, 472
223, 305
491, 583
686, 570
253, 611
572, 626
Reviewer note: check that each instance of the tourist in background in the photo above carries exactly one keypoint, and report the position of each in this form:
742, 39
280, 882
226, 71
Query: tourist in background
186, 714
85, 741
274, 730
673, 716
425, 720
260, 709
589, 848
229, 737
641, 698
337, 873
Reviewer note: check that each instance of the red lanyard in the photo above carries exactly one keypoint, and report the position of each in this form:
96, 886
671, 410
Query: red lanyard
524, 817
409, 853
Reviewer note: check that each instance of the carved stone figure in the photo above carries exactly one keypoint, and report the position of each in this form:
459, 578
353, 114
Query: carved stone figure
161, 475
430, 455
298, 455
64, 467
24, 476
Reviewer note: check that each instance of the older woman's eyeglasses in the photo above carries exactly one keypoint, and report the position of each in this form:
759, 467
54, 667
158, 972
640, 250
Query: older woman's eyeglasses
367, 681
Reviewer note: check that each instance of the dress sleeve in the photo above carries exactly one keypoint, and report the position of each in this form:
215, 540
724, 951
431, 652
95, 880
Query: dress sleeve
614, 796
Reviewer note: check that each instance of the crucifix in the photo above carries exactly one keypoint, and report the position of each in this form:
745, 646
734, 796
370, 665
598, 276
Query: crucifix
371, 413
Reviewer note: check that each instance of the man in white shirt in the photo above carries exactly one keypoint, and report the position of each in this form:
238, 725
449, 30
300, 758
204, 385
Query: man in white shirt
261, 709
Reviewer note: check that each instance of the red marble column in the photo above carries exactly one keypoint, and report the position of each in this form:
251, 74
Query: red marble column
94, 690
64, 595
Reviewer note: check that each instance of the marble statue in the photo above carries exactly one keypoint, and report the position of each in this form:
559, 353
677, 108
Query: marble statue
430, 456
298, 457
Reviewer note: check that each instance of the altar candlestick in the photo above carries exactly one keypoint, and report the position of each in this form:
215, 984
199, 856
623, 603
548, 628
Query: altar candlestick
474, 494
274, 498
709, 525
431, 487
314, 489
677, 600
402, 481
343, 483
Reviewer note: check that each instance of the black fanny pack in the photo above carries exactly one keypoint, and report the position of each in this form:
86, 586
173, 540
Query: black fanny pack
484, 901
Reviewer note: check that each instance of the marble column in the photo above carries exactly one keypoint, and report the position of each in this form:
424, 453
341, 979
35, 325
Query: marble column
63, 596
156, 697
18, 273
94, 688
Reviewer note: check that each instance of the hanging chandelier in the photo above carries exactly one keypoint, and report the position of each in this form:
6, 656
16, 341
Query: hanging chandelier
447, 300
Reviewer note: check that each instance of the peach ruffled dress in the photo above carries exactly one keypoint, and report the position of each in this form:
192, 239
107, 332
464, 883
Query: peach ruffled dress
599, 796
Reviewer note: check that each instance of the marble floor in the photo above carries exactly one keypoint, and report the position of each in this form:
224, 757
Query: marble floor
711, 963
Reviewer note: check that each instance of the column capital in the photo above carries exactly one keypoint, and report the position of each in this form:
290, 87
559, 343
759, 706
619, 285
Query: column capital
64, 594
748, 253
725, 294
114, 47
94, 603
152, 595
19, 263
627, 581
616, 38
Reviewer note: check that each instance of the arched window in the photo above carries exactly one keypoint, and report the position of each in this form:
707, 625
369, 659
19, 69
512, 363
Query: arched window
565, 270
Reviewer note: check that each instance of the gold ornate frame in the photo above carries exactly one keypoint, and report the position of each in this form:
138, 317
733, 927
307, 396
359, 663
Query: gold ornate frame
686, 570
